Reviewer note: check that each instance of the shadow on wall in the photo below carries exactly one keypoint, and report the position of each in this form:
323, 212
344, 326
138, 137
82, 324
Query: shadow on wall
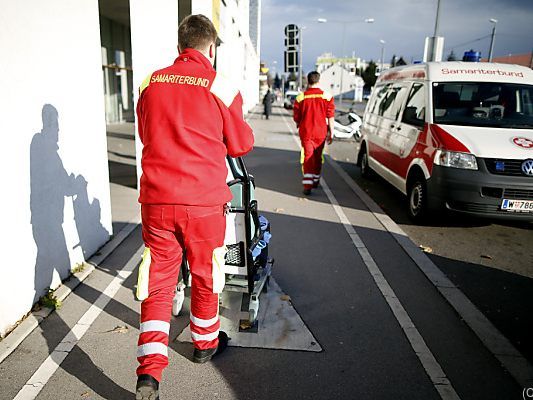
50, 185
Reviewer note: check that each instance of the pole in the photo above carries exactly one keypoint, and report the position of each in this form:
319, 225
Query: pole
342, 65
436, 33
382, 55
492, 42
301, 36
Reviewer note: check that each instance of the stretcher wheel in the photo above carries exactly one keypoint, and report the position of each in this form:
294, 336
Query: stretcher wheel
253, 310
179, 297
267, 282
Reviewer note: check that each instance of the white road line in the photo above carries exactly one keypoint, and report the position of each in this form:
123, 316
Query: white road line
43, 374
512, 360
432, 367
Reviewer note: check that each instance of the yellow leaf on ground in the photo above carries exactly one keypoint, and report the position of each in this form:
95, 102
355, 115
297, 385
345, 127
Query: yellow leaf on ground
118, 329
245, 325
426, 249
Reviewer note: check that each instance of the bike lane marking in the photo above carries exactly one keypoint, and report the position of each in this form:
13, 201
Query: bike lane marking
430, 364
40, 378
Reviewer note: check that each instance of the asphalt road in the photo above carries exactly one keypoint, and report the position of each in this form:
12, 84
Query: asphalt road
491, 261
378, 319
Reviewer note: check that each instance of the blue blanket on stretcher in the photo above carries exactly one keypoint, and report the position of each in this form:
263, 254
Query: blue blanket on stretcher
263, 243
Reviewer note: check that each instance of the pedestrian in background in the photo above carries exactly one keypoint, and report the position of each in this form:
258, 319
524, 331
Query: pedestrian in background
313, 113
268, 99
189, 119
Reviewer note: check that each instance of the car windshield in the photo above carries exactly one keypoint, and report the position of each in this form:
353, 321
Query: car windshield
491, 104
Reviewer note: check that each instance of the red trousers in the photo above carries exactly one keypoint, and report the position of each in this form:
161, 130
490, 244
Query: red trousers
312, 161
168, 230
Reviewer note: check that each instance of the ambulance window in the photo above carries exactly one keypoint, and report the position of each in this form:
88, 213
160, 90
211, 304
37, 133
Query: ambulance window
378, 98
391, 105
415, 108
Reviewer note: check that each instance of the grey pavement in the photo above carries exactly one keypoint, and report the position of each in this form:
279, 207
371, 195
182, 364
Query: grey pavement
366, 352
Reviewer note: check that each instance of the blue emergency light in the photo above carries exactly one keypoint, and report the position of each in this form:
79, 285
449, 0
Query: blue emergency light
500, 166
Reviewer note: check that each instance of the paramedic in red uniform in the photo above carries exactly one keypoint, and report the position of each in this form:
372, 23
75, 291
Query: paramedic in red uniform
313, 114
189, 119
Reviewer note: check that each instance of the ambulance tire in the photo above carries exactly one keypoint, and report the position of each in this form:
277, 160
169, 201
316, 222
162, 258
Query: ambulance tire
417, 198
366, 171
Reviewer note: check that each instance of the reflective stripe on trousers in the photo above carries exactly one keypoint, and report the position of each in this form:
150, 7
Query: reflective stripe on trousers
312, 162
168, 230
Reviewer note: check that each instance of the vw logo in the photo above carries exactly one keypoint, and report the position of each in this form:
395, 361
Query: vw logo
527, 167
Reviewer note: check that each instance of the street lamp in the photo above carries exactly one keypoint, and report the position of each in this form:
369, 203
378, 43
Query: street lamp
344, 23
382, 54
301, 37
494, 22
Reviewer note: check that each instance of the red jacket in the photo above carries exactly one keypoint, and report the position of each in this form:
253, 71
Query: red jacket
189, 118
311, 109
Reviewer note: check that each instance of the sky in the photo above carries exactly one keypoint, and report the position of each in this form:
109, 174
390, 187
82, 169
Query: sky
402, 24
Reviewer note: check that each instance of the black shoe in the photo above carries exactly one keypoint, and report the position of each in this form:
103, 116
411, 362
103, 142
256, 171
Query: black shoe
147, 388
202, 356
307, 192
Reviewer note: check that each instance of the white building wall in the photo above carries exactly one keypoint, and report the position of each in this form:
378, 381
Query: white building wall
237, 57
154, 45
55, 199
352, 85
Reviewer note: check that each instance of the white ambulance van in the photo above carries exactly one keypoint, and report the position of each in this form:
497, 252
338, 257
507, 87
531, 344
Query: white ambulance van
454, 135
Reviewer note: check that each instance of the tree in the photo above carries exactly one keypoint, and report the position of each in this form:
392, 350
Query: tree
451, 56
277, 81
369, 74
393, 61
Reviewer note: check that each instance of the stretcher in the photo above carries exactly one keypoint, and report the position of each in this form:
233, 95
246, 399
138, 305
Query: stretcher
247, 267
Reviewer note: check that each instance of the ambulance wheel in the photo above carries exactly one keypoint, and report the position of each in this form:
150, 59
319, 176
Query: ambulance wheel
417, 198
366, 172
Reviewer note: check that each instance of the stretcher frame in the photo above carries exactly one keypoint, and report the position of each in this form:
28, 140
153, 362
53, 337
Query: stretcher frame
243, 273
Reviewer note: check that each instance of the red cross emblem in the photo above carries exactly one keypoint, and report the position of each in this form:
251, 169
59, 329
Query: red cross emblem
523, 142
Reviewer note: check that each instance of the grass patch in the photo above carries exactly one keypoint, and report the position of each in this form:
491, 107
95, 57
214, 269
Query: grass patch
50, 300
78, 268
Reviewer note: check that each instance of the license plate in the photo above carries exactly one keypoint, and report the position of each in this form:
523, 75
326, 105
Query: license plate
517, 205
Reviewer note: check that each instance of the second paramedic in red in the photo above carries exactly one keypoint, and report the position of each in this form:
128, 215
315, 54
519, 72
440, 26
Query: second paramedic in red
313, 114
189, 119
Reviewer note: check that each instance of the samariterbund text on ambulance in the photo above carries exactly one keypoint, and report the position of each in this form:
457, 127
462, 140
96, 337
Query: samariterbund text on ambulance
454, 135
